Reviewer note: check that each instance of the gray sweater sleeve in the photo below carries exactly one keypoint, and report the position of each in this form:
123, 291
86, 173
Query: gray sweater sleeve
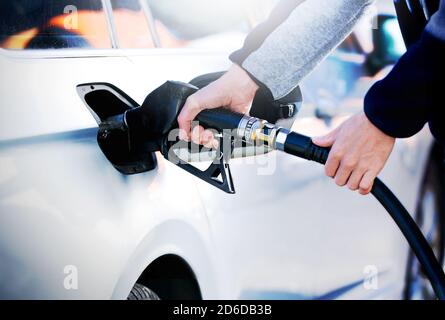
303, 38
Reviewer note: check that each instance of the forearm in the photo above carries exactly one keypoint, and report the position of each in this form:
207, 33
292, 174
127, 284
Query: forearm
297, 36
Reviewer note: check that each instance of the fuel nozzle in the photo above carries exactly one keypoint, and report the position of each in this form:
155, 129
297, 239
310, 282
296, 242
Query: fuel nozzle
252, 130
150, 124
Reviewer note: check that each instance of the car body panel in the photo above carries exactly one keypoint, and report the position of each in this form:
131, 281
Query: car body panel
48, 134
288, 232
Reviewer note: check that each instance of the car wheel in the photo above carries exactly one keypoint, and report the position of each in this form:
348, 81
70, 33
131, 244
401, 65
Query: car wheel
430, 218
141, 292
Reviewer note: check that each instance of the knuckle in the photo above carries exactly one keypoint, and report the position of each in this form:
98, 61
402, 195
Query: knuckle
205, 137
340, 148
181, 117
349, 162
190, 102
348, 165
363, 166
193, 103
336, 156
195, 133
208, 134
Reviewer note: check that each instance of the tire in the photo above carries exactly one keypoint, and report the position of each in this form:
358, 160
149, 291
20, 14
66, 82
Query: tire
430, 216
141, 292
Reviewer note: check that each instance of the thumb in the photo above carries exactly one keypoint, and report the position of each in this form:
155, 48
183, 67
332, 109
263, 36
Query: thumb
326, 140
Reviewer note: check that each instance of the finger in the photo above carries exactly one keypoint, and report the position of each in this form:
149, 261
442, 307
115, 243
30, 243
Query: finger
196, 134
326, 140
207, 138
355, 178
332, 163
343, 173
367, 182
183, 135
191, 109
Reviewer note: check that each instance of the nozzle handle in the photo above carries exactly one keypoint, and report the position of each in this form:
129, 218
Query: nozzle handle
219, 119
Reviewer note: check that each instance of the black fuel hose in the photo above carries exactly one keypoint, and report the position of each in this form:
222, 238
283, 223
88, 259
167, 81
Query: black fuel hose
302, 147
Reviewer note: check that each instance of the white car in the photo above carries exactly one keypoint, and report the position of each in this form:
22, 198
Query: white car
73, 227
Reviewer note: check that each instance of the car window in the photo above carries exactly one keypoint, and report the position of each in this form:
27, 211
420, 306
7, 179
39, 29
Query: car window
131, 25
181, 23
53, 24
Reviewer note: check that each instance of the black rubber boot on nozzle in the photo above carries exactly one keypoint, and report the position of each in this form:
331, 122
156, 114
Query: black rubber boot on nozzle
158, 114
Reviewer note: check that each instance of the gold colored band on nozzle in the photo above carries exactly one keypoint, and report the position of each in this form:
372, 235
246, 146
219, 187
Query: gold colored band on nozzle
254, 129
258, 132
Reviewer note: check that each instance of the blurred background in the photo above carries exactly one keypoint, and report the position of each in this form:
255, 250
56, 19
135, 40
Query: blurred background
27, 24
38, 24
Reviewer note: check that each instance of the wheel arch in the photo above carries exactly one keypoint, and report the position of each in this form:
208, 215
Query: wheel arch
171, 278
171, 249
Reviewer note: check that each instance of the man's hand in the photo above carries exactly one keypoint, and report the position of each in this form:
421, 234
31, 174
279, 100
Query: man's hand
234, 90
358, 154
